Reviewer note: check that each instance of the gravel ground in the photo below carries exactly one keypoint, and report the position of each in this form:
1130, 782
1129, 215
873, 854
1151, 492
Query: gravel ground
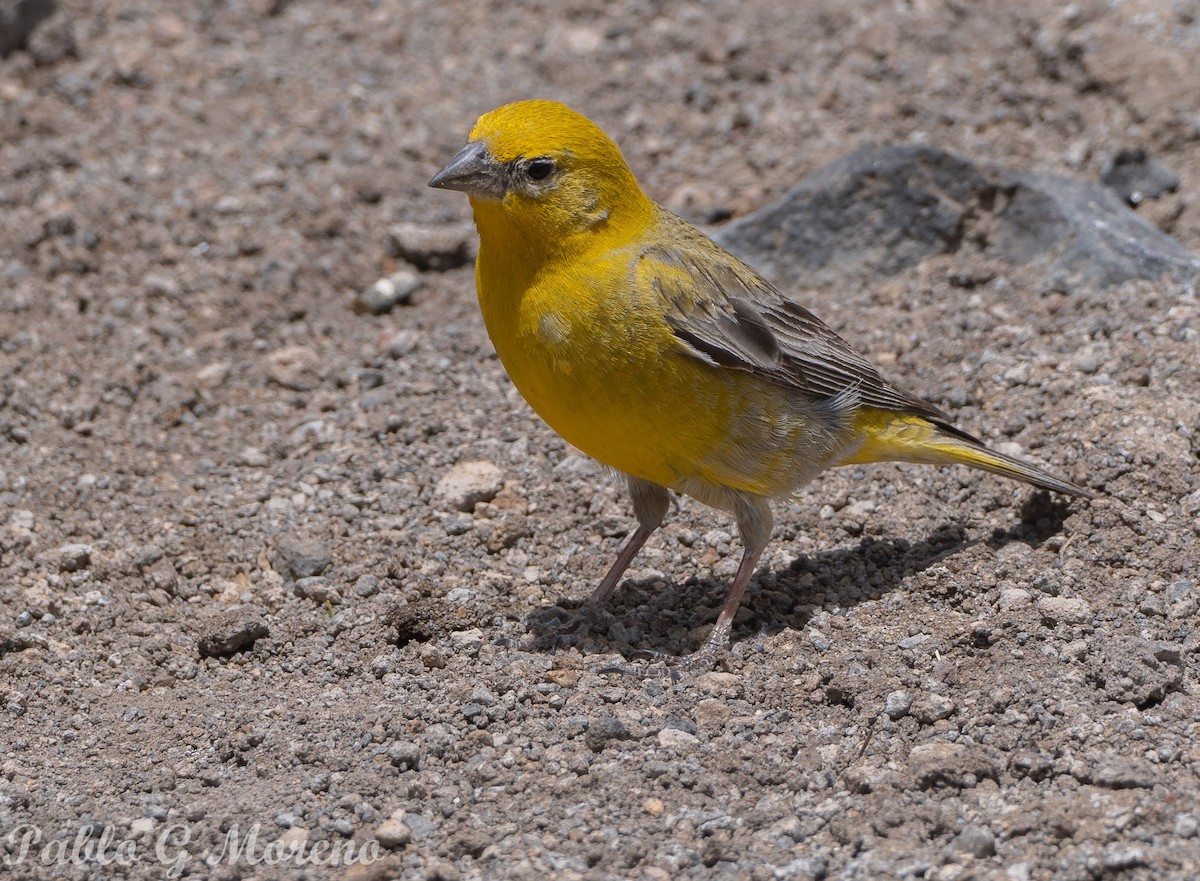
274, 535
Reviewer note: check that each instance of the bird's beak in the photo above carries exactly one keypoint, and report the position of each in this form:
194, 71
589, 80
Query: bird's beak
472, 171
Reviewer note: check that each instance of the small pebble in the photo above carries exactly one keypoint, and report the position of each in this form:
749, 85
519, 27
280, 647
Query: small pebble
467, 484
935, 707
393, 833
298, 556
141, 827
678, 740
1064, 610
978, 841
601, 730
230, 632
1014, 598
366, 586
897, 704
388, 292
294, 367
405, 755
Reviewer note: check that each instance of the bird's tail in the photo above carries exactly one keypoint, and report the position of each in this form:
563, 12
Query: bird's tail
897, 437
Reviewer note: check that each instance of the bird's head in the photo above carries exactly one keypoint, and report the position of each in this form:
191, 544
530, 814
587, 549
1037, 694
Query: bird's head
538, 169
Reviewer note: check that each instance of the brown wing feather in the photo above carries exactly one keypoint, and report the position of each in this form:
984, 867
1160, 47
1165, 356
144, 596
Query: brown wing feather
728, 314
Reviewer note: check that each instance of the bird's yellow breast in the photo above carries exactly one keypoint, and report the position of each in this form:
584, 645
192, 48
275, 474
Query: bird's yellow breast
589, 350
598, 369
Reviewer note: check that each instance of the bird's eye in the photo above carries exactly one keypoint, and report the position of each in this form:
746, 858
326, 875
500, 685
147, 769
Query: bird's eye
540, 167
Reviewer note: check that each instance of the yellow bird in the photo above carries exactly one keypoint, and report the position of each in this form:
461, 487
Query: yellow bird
649, 347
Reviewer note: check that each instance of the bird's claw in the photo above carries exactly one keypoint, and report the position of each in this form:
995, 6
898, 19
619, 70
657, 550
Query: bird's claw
677, 668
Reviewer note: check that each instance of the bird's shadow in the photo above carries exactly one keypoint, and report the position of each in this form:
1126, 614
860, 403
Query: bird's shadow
644, 615
1042, 515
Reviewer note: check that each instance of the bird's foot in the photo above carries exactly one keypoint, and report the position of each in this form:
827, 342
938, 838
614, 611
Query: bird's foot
676, 667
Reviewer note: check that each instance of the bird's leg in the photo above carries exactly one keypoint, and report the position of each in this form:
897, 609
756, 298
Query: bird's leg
598, 597
704, 658
650, 504
754, 524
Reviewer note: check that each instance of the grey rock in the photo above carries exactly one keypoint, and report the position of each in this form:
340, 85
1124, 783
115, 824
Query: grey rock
882, 210
483, 697
299, 556
230, 632
405, 755
146, 555
366, 585
18, 20
803, 869
1014, 598
978, 841
467, 641
1135, 176
1034, 765
1178, 591
897, 704
1085, 237
14, 642
1118, 857
601, 730
400, 343
370, 378
421, 826
364, 812
458, 525
879, 210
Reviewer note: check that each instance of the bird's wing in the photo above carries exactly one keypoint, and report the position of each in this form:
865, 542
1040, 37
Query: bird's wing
724, 313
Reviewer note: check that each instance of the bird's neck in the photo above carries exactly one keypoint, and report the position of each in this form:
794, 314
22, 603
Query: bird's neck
527, 241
